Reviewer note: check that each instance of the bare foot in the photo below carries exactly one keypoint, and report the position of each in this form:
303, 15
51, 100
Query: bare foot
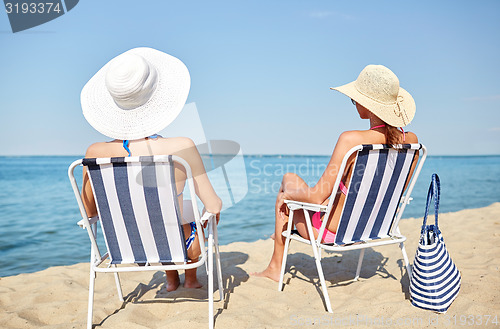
192, 284
173, 280
191, 281
272, 273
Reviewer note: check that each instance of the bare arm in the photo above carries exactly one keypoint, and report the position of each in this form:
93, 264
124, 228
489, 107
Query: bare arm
412, 138
87, 194
203, 187
323, 189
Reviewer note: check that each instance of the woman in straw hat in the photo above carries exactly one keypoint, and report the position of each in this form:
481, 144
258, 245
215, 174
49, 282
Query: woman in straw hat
377, 96
130, 99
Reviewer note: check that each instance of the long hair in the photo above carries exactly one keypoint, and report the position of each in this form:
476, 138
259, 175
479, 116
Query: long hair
393, 135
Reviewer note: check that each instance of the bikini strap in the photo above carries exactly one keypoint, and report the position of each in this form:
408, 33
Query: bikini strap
343, 188
125, 146
126, 143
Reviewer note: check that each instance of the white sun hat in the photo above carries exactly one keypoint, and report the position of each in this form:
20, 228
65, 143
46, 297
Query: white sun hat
136, 94
377, 89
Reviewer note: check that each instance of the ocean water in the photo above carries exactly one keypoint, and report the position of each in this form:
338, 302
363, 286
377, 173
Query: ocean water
38, 211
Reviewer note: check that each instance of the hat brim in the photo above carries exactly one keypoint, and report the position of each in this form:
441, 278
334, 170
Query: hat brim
165, 104
392, 114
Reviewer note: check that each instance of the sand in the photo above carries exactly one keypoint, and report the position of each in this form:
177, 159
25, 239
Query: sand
57, 297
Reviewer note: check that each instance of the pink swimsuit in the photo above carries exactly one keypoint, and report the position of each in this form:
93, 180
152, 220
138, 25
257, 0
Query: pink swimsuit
328, 236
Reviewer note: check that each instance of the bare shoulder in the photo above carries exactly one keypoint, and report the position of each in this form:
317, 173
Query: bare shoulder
181, 142
346, 141
96, 150
183, 147
177, 144
411, 138
350, 138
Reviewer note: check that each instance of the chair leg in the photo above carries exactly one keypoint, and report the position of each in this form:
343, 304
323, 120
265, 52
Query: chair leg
91, 297
210, 252
405, 257
217, 261
318, 262
118, 286
322, 280
360, 261
285, 251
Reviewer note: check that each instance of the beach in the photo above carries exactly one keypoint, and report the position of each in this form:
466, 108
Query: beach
57, 297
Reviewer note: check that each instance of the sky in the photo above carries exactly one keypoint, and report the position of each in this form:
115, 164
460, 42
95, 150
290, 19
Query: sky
261, 70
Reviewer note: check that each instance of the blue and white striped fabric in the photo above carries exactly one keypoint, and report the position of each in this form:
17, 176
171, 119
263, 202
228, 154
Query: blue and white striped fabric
374, 193
435, 280
137, 203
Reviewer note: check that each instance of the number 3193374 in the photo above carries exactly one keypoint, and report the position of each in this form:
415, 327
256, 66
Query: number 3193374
32, 8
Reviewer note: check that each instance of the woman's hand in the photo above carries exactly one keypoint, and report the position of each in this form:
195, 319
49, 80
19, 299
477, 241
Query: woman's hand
281, 206
217, 218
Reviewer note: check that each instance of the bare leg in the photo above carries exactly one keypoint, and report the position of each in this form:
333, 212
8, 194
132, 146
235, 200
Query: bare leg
281, 219
173, 280
190, 279
273, 269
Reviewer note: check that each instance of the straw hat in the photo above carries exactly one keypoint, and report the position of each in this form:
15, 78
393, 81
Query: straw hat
377, 89
136, 94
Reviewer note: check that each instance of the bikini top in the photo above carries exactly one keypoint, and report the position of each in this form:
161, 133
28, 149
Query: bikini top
126, 143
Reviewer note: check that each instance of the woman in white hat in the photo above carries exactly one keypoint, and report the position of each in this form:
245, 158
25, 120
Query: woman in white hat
377, 96
130, 99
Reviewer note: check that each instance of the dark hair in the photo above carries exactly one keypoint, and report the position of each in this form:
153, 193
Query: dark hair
392, 135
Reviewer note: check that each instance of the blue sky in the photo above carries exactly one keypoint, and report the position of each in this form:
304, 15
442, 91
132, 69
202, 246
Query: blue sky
261, 70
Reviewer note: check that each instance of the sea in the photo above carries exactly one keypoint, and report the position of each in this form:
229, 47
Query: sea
38, 210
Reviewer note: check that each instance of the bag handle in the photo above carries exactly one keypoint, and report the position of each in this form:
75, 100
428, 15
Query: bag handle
434, 192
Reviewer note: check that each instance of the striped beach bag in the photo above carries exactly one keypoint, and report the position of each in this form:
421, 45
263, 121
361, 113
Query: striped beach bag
435, 280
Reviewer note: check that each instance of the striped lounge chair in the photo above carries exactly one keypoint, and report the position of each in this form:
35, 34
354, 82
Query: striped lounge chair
372, 209
139, 214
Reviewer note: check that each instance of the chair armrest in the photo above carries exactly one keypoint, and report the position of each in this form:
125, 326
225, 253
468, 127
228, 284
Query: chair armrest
92, 220
403, 199
206, 216
294, 205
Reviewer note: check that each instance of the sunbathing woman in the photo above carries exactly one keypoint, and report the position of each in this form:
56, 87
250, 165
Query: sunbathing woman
134, 96
378, 98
